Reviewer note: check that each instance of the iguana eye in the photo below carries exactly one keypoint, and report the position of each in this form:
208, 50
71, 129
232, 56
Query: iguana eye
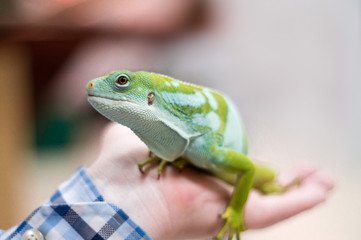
122, 80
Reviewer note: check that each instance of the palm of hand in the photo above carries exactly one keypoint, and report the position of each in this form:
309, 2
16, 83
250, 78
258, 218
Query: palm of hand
188, 204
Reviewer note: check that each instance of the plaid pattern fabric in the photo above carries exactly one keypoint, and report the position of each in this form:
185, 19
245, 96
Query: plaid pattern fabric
78, 211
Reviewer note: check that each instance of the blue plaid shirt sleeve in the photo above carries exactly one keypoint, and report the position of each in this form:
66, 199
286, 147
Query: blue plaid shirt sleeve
78, 211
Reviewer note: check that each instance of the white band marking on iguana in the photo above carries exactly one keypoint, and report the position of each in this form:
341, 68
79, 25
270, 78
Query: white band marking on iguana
212, 101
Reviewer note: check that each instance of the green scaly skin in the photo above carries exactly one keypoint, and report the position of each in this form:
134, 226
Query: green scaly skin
197, 125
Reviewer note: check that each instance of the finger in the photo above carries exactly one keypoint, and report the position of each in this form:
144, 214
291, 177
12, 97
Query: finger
262, 211
324, 180
301, 171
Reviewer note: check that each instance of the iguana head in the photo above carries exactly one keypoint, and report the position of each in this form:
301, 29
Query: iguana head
122, 85
147, 103
123, 96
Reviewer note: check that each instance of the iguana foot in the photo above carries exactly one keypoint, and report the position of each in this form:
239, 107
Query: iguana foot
162, 164
276, 188
234, 222
146, 162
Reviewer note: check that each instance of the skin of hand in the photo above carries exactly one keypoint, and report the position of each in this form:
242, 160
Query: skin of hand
187, 204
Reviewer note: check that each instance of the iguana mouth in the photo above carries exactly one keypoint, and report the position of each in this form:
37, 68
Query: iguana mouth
99, 96
112, 99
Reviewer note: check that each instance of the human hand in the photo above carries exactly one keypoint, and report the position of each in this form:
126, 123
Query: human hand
188, 204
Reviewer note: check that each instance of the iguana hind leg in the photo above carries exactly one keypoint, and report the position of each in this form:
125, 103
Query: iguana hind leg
228, 160
265, 181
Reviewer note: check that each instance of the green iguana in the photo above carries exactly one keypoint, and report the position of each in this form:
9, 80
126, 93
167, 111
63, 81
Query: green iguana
184, 123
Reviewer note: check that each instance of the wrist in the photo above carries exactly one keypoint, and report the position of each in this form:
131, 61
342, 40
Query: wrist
135, 195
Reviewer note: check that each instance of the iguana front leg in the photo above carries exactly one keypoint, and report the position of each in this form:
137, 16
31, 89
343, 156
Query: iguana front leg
161, 166
148, 161
179, 163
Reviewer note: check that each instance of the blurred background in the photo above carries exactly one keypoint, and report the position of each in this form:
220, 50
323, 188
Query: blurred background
292, 67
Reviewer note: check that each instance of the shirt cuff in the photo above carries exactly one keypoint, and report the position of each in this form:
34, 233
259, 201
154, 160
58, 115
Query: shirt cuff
78, 211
